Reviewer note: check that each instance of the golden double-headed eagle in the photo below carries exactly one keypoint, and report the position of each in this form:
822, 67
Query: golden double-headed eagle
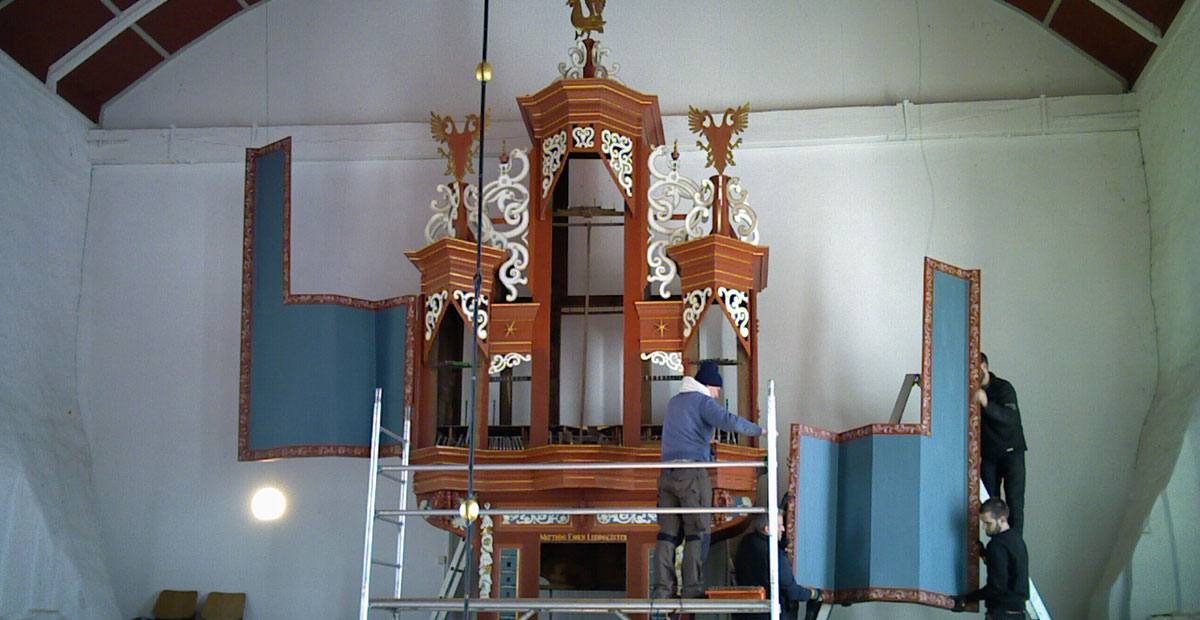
461, 147
719, 147
585, 24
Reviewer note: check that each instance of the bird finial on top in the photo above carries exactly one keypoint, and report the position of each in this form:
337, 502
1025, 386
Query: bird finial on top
586, 24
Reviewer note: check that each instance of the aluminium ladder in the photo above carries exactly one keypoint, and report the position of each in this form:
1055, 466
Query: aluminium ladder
373, 512
454, 572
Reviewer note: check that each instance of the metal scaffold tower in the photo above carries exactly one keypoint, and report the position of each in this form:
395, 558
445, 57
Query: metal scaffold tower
528, 606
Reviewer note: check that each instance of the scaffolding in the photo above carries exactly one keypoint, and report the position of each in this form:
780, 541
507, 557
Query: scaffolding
619, 607
377, 433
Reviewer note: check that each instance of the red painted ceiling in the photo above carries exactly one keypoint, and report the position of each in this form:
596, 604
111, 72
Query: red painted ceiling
37, 33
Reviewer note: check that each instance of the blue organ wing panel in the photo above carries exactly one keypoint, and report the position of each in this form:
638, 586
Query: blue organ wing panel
815, 510
310, 364
944, 462
888, 512
392, 363
852, 565
895, 516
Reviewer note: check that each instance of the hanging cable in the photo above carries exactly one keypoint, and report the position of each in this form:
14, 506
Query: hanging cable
921, 129
267, 69
483, 73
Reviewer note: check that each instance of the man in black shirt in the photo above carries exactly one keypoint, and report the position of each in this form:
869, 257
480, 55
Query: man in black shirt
1007, 561
752, 567
1002, 443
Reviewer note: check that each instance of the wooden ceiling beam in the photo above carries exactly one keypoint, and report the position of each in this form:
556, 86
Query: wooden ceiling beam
1130, 18
1051, 12
99, 39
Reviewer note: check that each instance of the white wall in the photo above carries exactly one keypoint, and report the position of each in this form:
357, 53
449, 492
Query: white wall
159, 359
1163, 572
374, 61
1058, 227
1170, 93
1057, 223
50, 555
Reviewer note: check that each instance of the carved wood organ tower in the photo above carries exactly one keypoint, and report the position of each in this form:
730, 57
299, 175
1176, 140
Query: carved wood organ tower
688, 247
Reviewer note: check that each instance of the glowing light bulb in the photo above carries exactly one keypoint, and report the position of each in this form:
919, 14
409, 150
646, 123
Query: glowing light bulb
469, 509
268, 504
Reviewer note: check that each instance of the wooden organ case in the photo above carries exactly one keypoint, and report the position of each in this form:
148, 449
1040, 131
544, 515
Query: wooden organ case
708, 254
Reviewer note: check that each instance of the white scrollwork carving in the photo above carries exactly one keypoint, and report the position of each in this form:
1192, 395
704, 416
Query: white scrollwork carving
671, 359
668, 190
554, 152
467, 300
502, 361
599, 54
434, 304
539, 519
627, 518
584, 137
737, 305
486, 546
577, 58
618, 150
694, 303
510, 197
744, 219
445, 209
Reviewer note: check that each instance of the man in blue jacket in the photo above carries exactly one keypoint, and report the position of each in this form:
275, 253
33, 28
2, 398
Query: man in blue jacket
692, 415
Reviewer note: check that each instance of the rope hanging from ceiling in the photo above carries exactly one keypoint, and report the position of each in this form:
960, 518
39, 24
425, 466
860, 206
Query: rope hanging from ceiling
483, 73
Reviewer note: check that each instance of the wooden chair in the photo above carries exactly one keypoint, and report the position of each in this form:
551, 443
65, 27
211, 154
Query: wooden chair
175, 605
223, 606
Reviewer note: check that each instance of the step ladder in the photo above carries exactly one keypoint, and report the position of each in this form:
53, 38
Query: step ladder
373, 516
454, 572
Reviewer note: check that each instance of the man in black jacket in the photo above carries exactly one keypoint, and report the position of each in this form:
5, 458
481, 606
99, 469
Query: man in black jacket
1002, 443
1007, 561
752, 567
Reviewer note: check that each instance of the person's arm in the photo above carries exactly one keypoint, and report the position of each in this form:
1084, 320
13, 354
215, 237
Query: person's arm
1002, 406
788, 588
718, 416
997, 565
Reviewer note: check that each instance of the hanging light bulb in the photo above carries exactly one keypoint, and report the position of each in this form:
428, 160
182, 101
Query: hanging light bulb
469, 509
483, 72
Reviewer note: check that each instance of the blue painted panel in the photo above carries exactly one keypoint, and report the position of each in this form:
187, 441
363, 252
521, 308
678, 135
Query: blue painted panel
944, 453
313, 368
390, 350
895, 515
899, 501
816, 513
854, 534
